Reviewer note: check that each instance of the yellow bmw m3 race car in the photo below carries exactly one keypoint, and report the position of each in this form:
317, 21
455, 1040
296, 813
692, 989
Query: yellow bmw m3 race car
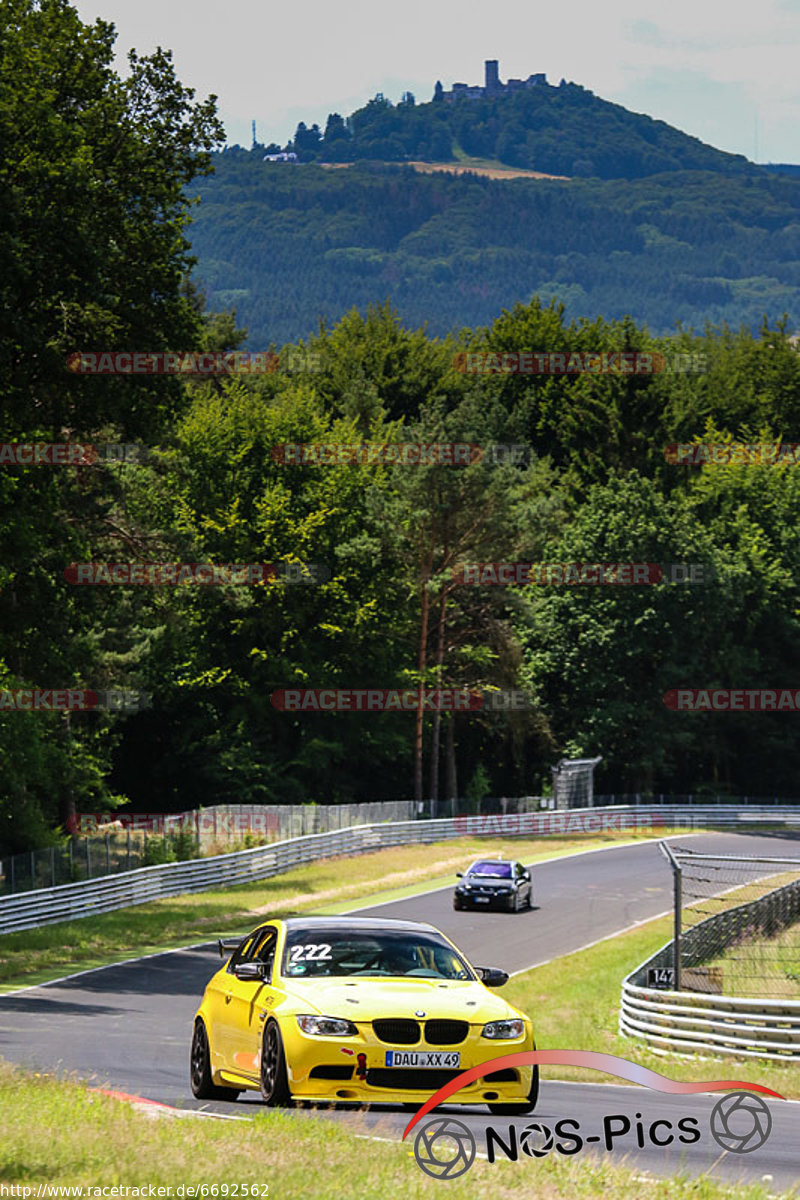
328, 1009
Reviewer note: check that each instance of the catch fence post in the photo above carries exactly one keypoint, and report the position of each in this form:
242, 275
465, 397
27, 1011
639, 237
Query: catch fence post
677, 902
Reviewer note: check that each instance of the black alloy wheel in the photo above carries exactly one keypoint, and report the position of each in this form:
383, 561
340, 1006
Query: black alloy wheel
203, 1086
274, 1081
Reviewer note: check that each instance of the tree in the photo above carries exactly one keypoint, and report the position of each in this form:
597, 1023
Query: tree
92, 255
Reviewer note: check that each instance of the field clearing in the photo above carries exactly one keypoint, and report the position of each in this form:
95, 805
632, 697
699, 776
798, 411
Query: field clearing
36, 955
464, 167
59, 1133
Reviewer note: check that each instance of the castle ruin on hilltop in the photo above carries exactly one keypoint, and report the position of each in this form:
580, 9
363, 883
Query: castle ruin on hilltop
491, 87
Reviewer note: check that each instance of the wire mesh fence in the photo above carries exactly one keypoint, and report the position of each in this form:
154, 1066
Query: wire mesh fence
77, 859
739, 923
118, 841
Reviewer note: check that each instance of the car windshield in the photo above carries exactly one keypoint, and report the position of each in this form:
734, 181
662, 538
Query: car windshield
500, 870
340, 951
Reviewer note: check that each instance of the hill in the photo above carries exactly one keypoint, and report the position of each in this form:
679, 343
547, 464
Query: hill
564, 130
285, 244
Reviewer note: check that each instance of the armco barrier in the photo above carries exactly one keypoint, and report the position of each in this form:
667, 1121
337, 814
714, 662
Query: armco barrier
691, 1021
49, 906
687, 1022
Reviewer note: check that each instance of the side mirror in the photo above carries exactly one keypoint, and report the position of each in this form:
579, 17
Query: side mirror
228, 945
492, 976
249, 972
459, 874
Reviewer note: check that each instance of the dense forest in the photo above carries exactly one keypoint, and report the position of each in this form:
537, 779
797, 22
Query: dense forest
285, 244
112, 161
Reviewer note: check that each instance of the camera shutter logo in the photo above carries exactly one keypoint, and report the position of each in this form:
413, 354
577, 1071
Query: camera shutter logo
741, 1122
444, 1148
536, 1140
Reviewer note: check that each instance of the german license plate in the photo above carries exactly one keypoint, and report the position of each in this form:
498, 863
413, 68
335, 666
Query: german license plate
481, 899
423, 1058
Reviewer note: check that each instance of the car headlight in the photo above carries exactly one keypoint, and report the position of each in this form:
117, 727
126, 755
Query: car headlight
513, 1028
327, 1026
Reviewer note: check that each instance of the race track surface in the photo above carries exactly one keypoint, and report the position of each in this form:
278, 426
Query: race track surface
128, 1026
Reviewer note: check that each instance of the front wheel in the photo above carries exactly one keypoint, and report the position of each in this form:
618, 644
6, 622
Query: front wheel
274, 1081
519, 1110
203, 1086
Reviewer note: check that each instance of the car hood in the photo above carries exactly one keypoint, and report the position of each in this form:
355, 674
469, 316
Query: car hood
368, 999
488, 880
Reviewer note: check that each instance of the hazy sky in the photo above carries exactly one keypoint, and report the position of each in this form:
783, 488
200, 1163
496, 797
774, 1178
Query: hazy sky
724, 72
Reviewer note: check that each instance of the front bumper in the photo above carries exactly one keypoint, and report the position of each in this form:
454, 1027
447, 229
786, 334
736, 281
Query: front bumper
485, 899
325, 1069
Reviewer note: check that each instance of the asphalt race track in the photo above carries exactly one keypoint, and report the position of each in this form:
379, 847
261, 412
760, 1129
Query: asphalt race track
128, 1027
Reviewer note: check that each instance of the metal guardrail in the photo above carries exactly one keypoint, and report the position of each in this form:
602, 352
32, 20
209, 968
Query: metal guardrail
686, 1021
690, 1021
49, 906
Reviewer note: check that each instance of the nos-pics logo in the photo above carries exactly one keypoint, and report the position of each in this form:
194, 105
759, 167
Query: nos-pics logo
445, 1148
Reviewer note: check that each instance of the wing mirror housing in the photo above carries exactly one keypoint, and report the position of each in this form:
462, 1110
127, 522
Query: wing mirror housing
492, 976
459, 874
252, 972
228, 945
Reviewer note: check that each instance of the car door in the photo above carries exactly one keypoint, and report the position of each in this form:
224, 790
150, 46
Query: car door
521, 884
246, 1005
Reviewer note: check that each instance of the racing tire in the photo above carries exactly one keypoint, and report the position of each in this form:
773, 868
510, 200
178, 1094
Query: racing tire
457, 907
274, 1080
513, 905
203, 1086
529, 902
520, 1109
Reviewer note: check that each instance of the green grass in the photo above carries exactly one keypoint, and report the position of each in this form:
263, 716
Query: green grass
763, 966
574, 1004
36, 955
59, 1133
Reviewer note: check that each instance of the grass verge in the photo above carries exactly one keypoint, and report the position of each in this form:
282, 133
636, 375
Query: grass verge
58, 1133
574, 1004
36, 955
768, 966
